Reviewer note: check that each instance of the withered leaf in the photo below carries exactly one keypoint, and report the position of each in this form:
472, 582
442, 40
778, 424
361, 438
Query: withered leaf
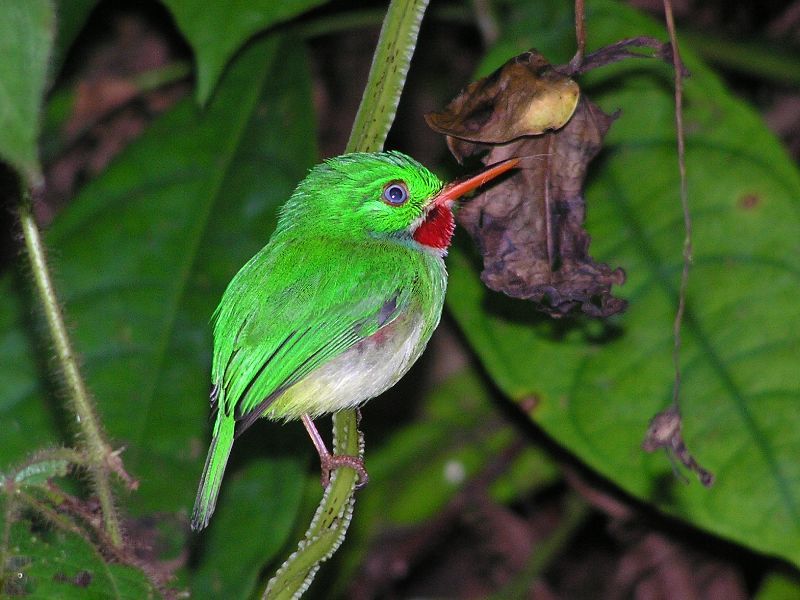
530, 226
665, 432
526, 96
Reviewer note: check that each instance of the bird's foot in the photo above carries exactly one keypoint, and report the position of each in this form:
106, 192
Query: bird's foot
329, 462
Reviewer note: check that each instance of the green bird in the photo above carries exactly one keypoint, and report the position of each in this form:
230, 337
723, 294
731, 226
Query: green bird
338, 305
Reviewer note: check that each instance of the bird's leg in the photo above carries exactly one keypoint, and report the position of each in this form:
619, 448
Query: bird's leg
329, 462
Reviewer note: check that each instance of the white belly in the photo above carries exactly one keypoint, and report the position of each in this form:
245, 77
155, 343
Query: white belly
364, 371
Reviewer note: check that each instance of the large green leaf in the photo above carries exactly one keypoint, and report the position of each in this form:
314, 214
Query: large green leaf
216, 29
142, 256
598, 387
779, 586
26, 40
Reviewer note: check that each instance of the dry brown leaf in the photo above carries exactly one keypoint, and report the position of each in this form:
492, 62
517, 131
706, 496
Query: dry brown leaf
664, 432
526, 96
529, 227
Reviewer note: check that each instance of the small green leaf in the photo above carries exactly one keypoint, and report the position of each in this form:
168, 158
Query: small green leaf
216, 29
38, 472
599, 384
26, 39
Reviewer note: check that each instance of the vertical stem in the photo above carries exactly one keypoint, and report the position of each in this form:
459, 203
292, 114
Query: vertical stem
387, 75
580, 35
547, 550
93, 439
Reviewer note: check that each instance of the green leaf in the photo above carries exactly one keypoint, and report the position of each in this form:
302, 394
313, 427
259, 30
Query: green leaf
38, 472
28, 418
255, 520
143, 255
26, 39
45, 563
216, 29
598, 385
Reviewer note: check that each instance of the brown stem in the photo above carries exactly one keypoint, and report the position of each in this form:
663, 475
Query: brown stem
580, 35
684, 193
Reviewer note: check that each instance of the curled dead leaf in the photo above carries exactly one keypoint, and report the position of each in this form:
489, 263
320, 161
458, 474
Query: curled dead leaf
530, 226
664, 433
526, 96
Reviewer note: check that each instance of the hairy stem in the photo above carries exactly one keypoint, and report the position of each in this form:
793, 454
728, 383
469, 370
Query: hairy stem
375, 116
92, 437
331, 519
387, 75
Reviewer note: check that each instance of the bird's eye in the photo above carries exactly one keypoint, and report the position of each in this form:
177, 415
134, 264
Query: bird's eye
395, 193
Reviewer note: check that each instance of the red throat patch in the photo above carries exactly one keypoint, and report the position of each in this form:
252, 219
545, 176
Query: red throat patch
436, 230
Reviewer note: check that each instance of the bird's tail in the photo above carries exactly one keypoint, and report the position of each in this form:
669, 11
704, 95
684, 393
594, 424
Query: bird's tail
217, 458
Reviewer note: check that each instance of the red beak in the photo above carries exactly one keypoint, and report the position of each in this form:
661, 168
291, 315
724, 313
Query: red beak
458, 188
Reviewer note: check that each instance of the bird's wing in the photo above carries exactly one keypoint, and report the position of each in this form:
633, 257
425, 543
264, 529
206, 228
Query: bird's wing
291, 316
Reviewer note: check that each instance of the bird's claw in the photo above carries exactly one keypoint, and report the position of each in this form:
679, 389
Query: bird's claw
336, 461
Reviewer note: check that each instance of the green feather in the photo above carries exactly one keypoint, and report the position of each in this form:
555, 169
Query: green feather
221, 444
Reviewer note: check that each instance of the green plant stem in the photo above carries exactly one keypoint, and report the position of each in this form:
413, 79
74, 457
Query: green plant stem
376, 113
91, 433
339, 22
387, 75
331, 519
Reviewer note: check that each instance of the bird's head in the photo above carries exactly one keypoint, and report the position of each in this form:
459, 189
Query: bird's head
383, 195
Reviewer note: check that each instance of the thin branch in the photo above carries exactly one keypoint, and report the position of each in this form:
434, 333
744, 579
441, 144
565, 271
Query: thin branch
576, 511
684, 193
91, 432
